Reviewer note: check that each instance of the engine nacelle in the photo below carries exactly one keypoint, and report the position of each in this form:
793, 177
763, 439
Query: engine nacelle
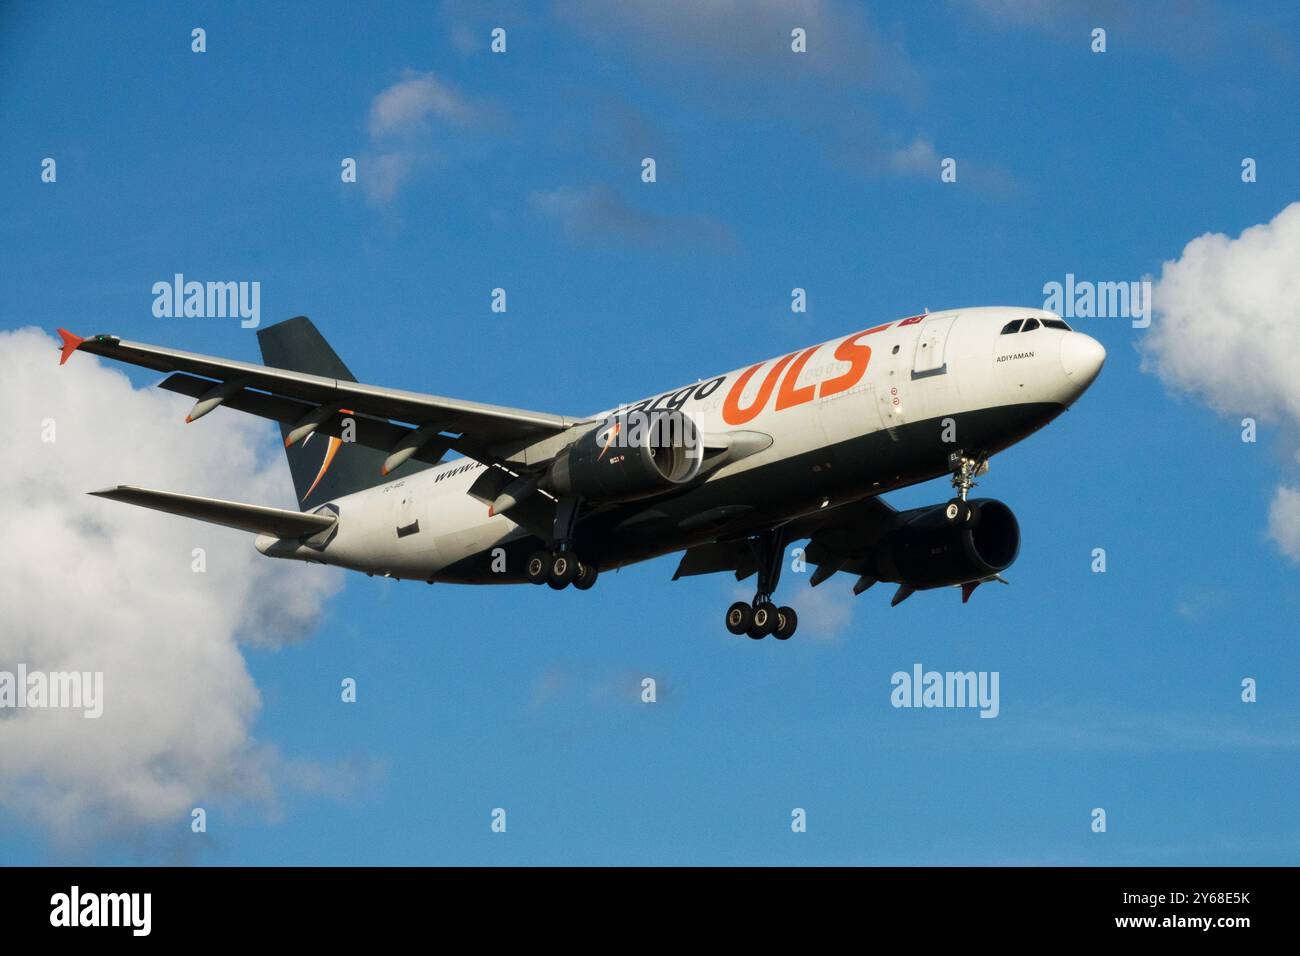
629, 456
924, 550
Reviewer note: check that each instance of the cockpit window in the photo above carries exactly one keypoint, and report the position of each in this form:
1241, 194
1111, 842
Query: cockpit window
1012, 327
1030, 325
1056, 324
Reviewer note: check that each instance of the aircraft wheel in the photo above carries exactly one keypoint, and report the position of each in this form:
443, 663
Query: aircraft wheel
739, 617
973, 516
786, 622
586, 576
538, 568
764, 621
956, 512
563, 570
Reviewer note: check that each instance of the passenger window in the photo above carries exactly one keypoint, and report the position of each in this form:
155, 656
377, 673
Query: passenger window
1030, 325
1056, 324
1012, 327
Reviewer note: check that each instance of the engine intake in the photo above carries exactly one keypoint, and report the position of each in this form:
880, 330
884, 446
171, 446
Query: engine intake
629, 456
924, 550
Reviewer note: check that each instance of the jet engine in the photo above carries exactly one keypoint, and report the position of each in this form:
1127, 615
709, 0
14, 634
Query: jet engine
633, 455
925, 549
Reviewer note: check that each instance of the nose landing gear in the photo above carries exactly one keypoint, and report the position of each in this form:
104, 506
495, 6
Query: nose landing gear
965, 469
761, 617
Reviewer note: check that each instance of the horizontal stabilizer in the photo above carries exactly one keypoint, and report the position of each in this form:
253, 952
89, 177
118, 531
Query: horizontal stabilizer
255, 518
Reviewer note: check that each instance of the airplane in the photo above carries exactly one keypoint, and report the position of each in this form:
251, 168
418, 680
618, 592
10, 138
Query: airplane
730, 470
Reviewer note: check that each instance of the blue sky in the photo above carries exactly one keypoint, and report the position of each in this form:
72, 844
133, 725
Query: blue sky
1118, 690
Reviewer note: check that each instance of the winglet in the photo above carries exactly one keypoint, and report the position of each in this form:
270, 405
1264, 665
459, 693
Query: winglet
70, 344
968, 589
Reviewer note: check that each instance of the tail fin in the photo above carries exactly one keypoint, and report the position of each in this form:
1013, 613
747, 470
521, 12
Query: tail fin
323, 467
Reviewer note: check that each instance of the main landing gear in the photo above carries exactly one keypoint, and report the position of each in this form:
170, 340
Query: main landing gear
761, 617
964, 470
560, 567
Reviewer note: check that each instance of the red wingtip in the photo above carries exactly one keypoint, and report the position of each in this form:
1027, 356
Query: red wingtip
70, 344
967, 590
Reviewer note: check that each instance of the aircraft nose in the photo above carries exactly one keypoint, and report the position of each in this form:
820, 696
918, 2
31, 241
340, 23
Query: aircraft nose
1082, 357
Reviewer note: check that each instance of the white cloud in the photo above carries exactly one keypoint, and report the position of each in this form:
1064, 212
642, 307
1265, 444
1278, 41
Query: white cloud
402, 120
825, 611
93, 585
1284, 521
470, 22
1227, 330
1227, 325
918, 158
407, 106
382, 174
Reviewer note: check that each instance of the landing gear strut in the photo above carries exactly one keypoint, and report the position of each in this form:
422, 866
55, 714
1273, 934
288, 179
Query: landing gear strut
965, 469
761, 617
560, 567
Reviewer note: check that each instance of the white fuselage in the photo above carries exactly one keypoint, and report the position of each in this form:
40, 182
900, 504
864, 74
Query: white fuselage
921, 371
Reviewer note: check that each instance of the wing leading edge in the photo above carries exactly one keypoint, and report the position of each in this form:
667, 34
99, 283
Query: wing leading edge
296, 398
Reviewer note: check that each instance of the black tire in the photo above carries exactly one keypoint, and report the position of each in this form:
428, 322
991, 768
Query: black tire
764, 621
956, 512
586, 576
973, 518
739, 617
538, 568
786, 623
564, 568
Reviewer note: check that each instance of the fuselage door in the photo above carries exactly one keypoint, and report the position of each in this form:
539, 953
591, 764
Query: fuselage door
930, 343
405, 515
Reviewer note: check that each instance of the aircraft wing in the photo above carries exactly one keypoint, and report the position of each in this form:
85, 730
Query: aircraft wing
385, 418
734, 555
845, 532
840, 538
232, 514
